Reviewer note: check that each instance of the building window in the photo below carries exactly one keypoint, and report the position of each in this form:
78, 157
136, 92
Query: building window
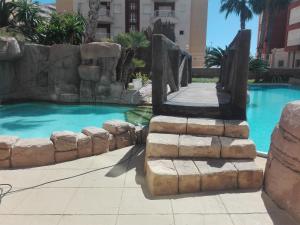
132, 13
181, 32
280, 63
298, 63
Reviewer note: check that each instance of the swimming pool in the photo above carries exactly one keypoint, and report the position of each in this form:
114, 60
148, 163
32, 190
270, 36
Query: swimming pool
35, 120
264, 110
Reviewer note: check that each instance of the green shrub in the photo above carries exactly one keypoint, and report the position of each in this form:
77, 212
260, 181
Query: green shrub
66, 28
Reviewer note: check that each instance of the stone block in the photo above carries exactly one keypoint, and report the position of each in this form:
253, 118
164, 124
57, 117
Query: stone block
66, 156
4, 154
32, 152
249, 175
188, 176
168, 124
64, 140
162, 177
117, 127
194, 146
290, 118
85, 145
99, 49
9, 49
203, 126
237, 148
236, 129
217, 175
6, 142
123, 140
162, 145
112, 142
100, 139
4, 164
89, 73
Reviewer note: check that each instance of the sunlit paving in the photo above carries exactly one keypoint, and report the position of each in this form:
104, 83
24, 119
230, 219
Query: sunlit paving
130, 112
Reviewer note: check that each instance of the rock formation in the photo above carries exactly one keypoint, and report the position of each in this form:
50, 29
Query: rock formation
282, 175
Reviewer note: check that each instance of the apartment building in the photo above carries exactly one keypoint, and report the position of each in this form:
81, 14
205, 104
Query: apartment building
285, 37
188, 16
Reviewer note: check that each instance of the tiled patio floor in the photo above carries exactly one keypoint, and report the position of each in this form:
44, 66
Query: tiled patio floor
118, 195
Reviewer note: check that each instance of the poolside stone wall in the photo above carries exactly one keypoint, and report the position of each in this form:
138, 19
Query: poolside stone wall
62, 73
282, 174
64, 146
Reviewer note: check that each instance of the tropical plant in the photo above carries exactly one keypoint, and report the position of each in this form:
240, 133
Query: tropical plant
258, 66
27, 17
214, 56
61, 28
6, 9
243, 8
271, 7
130, 43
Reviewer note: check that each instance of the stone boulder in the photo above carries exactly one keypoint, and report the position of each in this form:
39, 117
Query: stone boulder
100, 139
6, 144
290, 119
32, 152
64, 140
282, 173
63, 70
124, 133
9, 49
116, 127
31, 70
85, 145
96, 50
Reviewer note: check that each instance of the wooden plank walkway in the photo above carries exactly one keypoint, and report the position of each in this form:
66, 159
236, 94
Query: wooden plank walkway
198, 100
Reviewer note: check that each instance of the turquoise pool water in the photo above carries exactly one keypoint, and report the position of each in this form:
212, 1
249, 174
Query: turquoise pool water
264, 110
28, 120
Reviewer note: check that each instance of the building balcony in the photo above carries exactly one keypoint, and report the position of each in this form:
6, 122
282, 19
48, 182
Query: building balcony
105, 15
165, 16
102, 36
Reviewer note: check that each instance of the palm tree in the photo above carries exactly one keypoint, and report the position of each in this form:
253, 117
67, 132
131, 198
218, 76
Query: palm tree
27, 16
214, 56
130, 43
92, 23
6, 9
271, 7
243, 8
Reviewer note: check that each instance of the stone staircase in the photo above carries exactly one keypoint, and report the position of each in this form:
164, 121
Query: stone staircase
187, 155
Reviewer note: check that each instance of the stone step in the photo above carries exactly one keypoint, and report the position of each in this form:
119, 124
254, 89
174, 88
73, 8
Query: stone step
161, 145
199, 126
179, 176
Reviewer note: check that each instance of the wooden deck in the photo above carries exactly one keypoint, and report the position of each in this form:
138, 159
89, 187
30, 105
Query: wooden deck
199, 100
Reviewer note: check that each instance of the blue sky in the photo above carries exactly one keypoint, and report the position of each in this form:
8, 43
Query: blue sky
221, 31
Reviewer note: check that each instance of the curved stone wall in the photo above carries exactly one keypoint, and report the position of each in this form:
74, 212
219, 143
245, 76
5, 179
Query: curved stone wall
282, 174
66, 145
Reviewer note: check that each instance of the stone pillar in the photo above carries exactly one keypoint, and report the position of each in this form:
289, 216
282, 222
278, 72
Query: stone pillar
282, 174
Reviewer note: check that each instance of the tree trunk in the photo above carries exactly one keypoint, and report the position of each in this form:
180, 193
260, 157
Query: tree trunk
93, 16
242, 20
